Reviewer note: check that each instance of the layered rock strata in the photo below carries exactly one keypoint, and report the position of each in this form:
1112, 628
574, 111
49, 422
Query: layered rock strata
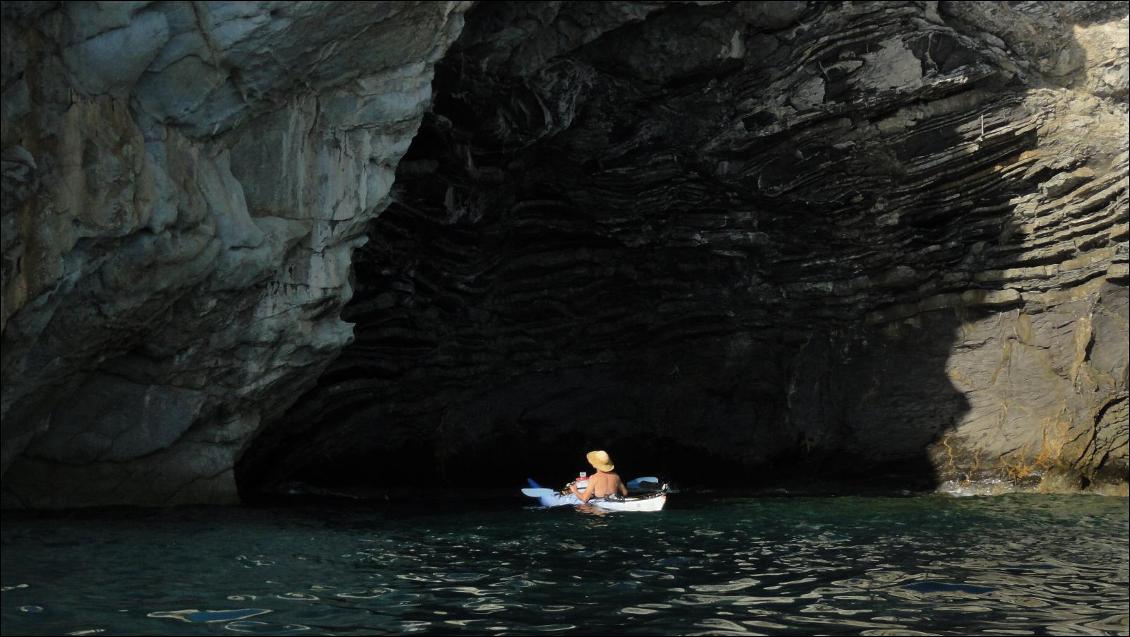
727, 241
735, 242
183, 186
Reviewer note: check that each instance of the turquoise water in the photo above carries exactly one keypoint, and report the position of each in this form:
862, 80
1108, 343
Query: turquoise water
833, 565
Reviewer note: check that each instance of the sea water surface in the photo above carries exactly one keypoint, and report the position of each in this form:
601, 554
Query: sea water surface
1018, 564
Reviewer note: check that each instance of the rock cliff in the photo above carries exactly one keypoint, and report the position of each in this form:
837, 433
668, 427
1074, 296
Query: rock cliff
183, 186
736, 243
734, 240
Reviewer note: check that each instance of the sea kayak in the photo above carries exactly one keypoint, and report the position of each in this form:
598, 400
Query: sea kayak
652, 501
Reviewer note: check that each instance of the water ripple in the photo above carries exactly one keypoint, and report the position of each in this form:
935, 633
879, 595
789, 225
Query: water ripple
208, 616
870, 566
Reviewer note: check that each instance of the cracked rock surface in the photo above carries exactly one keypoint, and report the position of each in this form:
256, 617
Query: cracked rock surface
360, 243
738, 242
183, 186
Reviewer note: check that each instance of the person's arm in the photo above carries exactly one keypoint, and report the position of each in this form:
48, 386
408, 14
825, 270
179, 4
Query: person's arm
620, 487
589, 490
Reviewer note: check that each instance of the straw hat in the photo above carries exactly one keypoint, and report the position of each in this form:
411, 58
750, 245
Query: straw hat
600, 460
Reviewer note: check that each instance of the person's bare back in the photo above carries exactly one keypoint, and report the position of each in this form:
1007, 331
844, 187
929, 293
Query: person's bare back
604, 483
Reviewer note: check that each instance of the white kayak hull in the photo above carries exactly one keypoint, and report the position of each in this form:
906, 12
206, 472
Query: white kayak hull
653, 503
644, 503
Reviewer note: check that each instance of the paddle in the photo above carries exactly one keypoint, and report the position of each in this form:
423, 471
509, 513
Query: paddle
536, 491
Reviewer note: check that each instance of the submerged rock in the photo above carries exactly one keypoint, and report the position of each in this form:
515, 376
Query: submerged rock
731, 240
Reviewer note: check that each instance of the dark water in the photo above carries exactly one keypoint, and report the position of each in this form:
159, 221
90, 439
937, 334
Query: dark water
848, 565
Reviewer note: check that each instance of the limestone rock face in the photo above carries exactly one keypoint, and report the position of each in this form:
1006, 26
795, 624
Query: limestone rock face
183, 186
742, 241
725, 241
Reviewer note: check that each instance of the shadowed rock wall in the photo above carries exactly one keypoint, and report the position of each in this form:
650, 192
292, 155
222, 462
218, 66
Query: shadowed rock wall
739, 242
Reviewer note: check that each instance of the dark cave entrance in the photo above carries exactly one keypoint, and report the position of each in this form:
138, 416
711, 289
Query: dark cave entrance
600, 251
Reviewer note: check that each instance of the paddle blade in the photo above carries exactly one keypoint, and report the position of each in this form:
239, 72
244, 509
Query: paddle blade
532, 484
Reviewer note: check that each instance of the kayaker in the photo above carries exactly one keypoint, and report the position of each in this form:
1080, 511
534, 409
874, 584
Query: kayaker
604, 483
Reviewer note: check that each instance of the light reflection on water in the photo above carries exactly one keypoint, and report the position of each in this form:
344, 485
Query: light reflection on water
1017, 564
